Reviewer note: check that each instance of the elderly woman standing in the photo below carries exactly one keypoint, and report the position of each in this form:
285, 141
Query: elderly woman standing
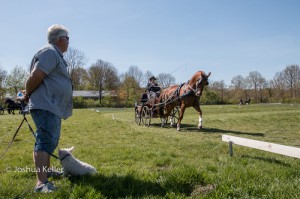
49, 90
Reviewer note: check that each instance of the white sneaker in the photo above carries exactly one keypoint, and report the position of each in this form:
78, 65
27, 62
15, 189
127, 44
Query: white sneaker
45, 188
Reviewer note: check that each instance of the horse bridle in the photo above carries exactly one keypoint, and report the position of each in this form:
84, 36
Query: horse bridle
198, 83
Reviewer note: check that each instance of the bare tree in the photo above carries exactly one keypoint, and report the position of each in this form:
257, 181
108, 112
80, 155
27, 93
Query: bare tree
240, 86
291, 75
165, 80
255, 79
278, 85
219, 87
262, 86
75, 59
269, 90
238, 82
147, 76
102, 75
137, 75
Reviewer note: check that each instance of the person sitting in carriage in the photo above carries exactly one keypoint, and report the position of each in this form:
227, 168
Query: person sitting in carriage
152, 91
153, 88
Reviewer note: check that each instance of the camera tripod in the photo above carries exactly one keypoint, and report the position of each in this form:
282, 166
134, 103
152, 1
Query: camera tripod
31, 130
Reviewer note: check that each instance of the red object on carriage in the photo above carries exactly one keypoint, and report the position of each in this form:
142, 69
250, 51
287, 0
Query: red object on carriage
168, 102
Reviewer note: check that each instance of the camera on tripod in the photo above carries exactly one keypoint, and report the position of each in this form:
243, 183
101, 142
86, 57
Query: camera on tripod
24, 109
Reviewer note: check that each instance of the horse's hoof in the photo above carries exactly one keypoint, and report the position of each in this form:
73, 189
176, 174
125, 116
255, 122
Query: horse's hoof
199, 127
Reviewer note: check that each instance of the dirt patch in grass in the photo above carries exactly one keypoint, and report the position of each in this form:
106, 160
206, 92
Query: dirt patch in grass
202, 189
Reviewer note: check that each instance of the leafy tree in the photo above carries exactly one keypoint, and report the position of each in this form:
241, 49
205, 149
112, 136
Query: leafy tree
209, 97
126, 86
137, 77
219, 88
3, 75
80, 78
15, 80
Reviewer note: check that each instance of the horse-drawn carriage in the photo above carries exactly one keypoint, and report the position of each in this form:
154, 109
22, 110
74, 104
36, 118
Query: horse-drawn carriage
150, 108
172, 102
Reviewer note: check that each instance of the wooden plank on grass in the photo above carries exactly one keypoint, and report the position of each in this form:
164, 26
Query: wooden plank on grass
265, 146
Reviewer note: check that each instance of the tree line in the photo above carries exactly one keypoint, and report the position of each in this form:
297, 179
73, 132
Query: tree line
126, 88
102, 76
283, 88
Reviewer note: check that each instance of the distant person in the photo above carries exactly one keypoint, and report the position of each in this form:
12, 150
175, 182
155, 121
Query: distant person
152, 82
153, 87
241, 101
49, 91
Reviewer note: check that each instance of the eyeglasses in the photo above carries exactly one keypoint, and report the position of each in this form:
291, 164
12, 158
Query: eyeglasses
67, 38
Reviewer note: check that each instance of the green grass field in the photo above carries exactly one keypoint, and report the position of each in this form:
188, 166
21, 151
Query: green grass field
153, 162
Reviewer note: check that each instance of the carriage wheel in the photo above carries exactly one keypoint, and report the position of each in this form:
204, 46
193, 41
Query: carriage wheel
174, 115
138, 117
146, 116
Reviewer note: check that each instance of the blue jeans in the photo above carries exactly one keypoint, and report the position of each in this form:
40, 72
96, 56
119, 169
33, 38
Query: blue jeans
48, 127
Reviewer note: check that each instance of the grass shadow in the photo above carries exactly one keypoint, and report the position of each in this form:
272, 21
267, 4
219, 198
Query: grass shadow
194, 128
215, 130
116, 186
269, 160
128, 186
167, 126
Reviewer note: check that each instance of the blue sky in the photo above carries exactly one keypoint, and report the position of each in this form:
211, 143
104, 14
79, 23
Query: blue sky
180, 37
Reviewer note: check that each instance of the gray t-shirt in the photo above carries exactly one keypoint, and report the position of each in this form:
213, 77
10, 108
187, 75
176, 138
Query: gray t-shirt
55, 92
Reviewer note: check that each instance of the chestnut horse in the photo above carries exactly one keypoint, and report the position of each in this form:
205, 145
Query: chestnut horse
185, 95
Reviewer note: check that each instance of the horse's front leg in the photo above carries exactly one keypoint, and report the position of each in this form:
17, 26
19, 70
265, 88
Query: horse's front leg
182, 109
200, 120
163, 121
198, 109
164, 112
171, 121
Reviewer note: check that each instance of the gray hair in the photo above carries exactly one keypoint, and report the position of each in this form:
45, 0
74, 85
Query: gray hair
55, 32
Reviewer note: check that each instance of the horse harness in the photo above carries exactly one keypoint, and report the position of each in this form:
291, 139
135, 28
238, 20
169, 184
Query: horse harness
188, 91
